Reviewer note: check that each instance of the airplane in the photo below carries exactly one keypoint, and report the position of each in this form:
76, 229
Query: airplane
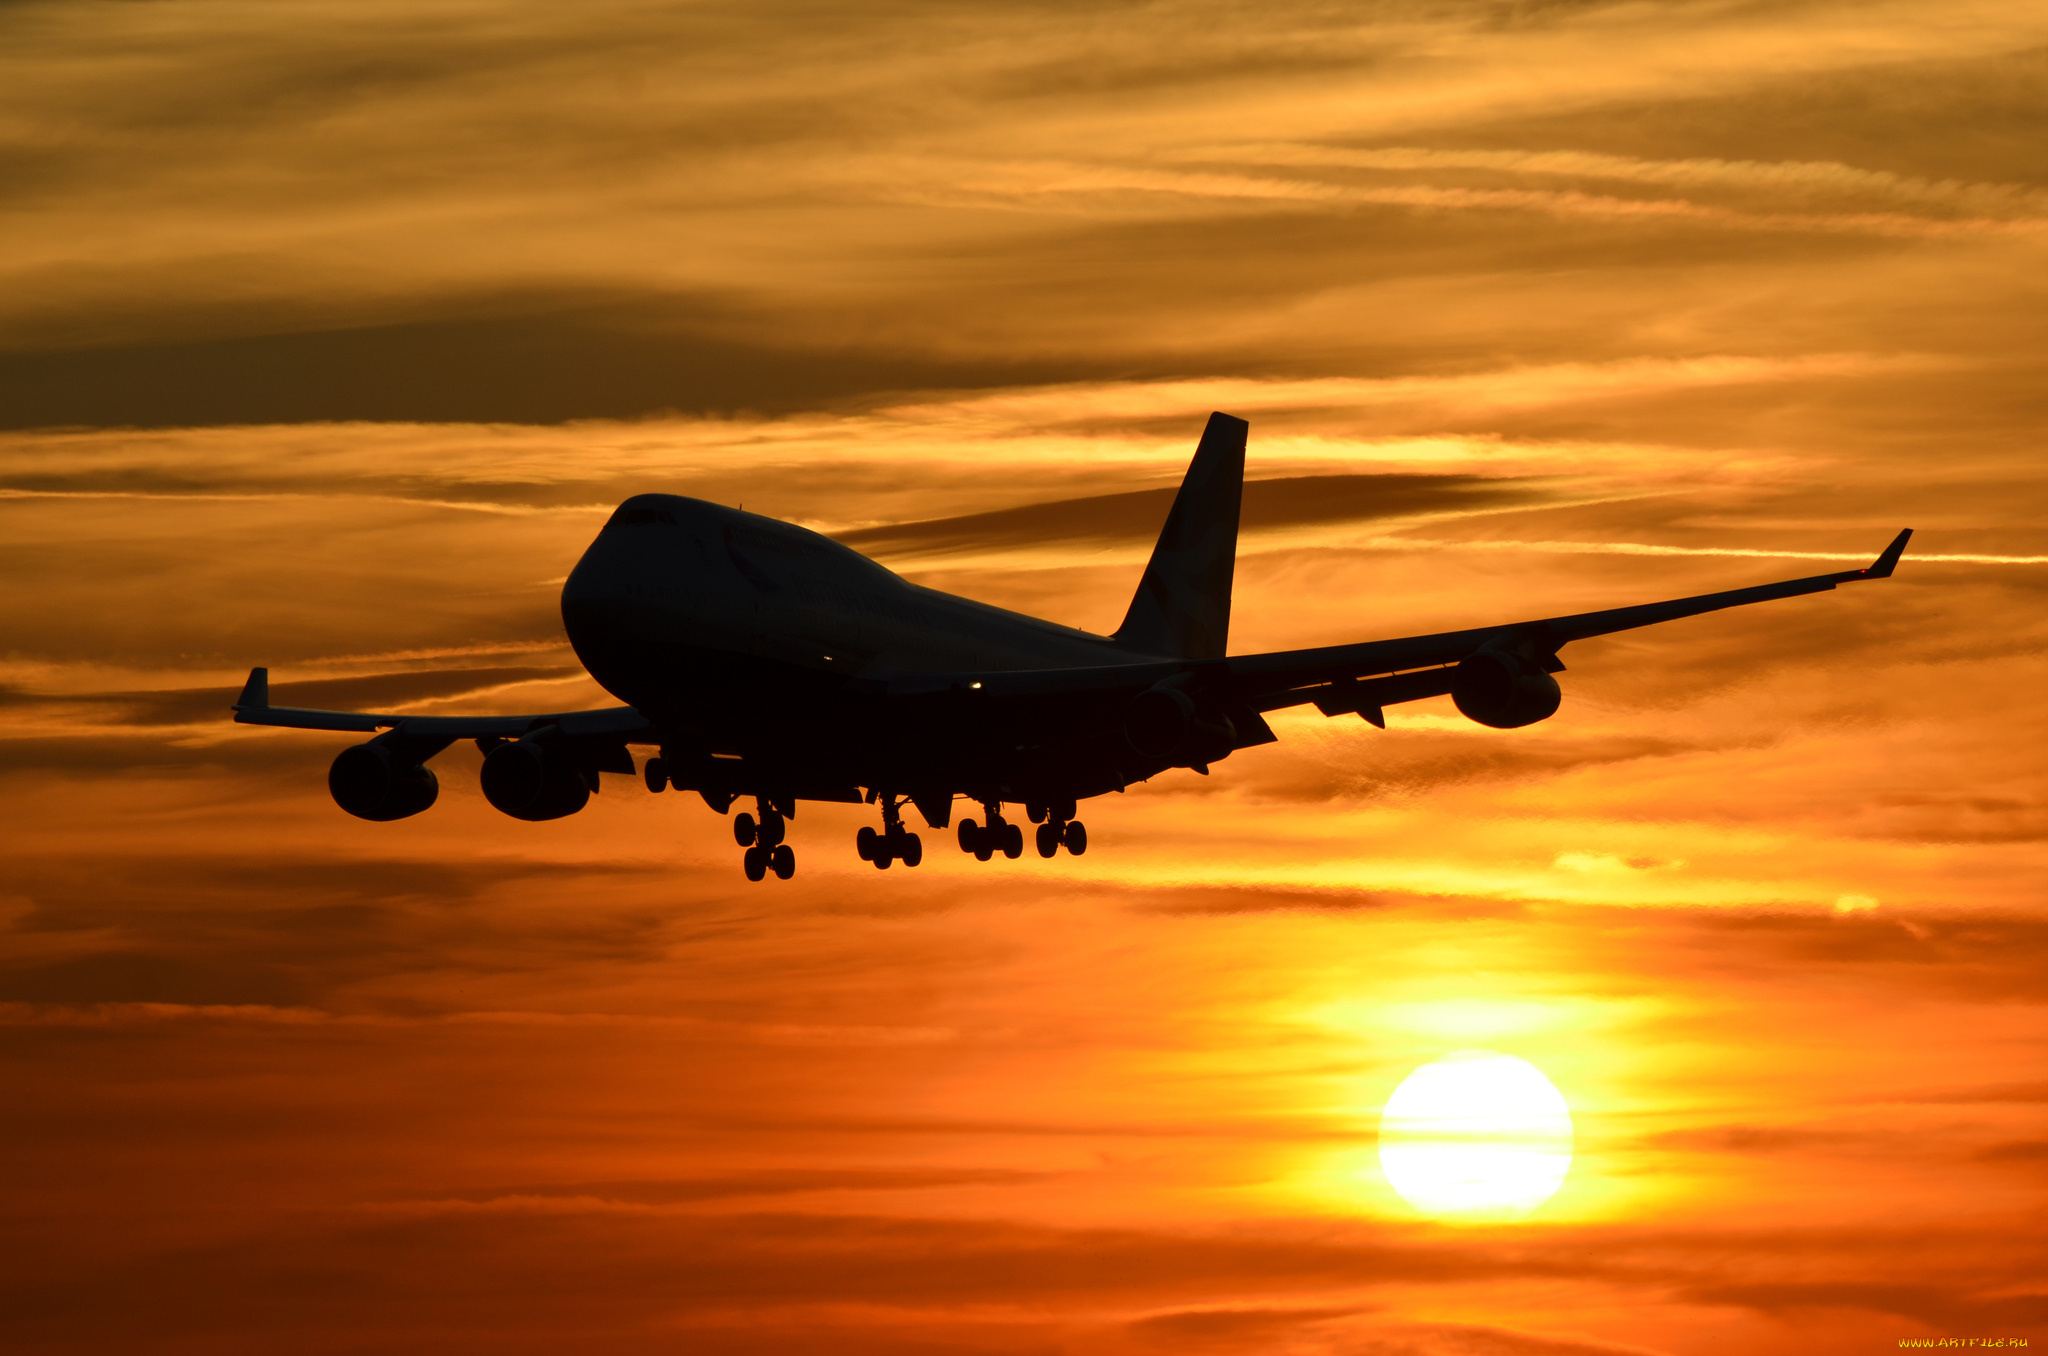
762, 660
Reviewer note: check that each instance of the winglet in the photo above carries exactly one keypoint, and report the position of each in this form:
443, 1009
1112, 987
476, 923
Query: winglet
1881, 568
255, 692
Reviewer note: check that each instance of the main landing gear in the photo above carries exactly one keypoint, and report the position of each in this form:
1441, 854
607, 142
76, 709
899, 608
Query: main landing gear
762, 838
1057, 828
997, 835
894, 843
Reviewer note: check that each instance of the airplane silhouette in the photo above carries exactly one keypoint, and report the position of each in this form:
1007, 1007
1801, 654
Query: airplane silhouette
766, 661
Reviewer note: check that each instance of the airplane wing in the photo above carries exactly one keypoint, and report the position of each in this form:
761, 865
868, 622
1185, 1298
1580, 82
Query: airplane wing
592, 741
1363, 678
253, 707
1359, 679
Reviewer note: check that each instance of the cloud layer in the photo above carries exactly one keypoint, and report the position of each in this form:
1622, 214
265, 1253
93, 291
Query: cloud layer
329, 336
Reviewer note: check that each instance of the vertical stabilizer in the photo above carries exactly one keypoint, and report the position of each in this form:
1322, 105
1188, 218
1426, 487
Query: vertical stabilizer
1182, 607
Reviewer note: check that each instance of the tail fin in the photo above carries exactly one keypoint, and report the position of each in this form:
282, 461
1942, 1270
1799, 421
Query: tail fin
1182, 607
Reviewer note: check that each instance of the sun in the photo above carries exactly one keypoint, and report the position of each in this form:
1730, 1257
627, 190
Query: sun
1476, 1136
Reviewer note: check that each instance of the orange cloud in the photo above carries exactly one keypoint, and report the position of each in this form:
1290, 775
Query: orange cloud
329, 337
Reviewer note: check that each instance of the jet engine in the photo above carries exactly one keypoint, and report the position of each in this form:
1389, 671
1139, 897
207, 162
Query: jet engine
380, 781
1165, 723
1504, 690
533, 779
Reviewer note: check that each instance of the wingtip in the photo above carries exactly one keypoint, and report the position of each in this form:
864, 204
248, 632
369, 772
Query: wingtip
255, 692
1888, 560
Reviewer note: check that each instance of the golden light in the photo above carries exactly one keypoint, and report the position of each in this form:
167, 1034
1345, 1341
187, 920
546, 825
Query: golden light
1476, 1136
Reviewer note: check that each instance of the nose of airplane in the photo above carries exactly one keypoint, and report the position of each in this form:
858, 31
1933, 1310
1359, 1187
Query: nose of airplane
603, 599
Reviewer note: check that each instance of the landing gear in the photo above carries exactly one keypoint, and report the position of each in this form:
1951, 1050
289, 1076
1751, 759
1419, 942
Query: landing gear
762, 838
894, 843
998, 835
884, 849
656, 773
766, 831
1058, 828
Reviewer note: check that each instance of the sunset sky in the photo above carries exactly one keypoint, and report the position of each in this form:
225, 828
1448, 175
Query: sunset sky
330, 334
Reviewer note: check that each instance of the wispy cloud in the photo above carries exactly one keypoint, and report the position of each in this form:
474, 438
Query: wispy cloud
1120, 190
1820, 177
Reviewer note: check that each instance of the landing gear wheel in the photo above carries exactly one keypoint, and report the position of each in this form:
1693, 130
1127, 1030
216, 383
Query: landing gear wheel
656, 773
1076, 837
755, 862
970, 834
1048, 840
782, 861
895, 843
864, 843
1013, 841
744, 830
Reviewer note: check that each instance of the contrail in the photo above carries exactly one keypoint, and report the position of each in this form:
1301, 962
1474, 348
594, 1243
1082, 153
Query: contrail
284, 496
1633, 548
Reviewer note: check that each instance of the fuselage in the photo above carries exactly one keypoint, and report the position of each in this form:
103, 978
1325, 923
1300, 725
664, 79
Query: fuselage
746, 635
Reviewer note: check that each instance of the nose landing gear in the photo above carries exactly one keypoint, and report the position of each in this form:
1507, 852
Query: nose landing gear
894, 843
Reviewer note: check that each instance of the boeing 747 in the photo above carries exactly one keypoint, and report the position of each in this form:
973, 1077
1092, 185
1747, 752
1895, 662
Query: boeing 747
761, 660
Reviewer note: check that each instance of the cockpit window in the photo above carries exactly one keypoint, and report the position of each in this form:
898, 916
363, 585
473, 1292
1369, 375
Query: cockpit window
626, 517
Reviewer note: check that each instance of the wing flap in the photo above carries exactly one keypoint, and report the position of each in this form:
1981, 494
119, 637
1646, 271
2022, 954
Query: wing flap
1366, 696
296, 718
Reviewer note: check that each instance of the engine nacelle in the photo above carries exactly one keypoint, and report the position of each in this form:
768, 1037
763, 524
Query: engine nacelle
532, 780
370, 782
1504, 691
1164, 723
1158, 720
